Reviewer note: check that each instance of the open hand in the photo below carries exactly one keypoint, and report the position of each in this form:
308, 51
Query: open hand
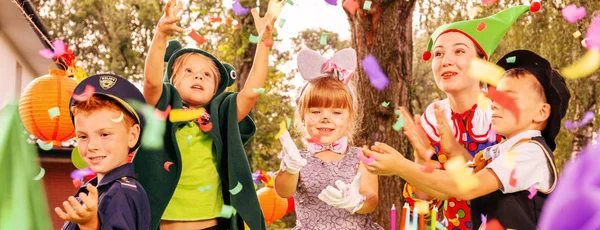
292, 162
264, 25
447, 141
77, 213
416, 136
346, 196
167, 24
385, 159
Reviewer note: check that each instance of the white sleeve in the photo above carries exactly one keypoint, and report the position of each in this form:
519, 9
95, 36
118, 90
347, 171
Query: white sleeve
531, 168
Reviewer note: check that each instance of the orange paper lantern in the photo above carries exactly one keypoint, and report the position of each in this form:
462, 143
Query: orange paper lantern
44, 107
273, 206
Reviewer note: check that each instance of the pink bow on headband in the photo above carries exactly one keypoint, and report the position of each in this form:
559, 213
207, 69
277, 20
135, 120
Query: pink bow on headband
343, 74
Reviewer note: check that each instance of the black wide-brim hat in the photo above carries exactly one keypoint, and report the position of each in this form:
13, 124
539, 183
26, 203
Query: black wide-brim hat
115, 88
555, 88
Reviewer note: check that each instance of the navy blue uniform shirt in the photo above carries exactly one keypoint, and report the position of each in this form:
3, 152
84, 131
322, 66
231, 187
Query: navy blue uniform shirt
122, 202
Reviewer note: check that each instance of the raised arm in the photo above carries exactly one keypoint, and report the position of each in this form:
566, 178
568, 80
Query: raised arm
154, 66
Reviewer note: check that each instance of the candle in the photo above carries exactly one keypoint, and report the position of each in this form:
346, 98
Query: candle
415, 218
403, 216
433, 218
393, 217
421, 221
406, 217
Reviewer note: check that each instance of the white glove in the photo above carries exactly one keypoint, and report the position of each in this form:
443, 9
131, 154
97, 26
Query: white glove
345, 196
291, 161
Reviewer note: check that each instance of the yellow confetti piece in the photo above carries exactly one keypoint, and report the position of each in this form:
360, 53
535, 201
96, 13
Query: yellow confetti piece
577, 34
509, 161
79, 74
455, 221
118, 119
583, 67
177, 115
483, 102
282, 129
465, 180
54, 112
422, 207
237, 189
485, 71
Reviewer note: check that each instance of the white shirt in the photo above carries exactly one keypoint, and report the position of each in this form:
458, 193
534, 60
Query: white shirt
530, 163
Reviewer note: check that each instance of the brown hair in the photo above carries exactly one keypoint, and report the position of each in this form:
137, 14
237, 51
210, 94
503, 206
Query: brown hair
175, 79
325, 92
96, 103
519, 72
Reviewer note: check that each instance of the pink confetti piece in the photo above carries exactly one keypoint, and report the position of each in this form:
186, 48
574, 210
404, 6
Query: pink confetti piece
167, 165
492, 136
163, 114
572, 13
532, 192
366, 160
503, 100
331, 2
587, 117
47, 53
488, 2
59, 49
79, 174
86, 95
314, 139
592, 37
239, 9
481, 26
483, 222
378, 79
351, 6
513, 181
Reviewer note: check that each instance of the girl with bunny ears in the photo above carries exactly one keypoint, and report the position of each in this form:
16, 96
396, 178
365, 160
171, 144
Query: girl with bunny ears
332, 189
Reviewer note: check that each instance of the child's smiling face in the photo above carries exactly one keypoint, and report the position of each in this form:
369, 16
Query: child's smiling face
528, 95
196, 80
330, 124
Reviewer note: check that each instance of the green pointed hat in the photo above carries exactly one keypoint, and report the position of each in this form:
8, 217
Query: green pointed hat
487, 32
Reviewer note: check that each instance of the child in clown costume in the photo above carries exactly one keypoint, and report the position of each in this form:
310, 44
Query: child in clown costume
452, 47
202, 166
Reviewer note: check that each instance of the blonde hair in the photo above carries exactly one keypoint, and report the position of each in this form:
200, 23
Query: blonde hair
96, 103
325, 92
175, 78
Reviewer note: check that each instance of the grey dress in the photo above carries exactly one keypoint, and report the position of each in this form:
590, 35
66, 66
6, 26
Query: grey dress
314, 214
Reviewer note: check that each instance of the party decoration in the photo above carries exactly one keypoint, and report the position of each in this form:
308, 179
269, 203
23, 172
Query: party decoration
179, 115
331, 2
399, 124
254, 39
513, 181
59, 50
237, 189
503, 100
464, 179
532, 192
323, 40
167, 165
583, 67
44, 146
592, 36
259, 90
385, 104
272, 205
40, 174
282, 129
86, 95
281, 22
76, 159
44, 96
239, 9
367, 5
197, 37
485, 71
162, 115
378, 79
587, 117
572, 13
366, 160
577, 34
118, 119
227, 211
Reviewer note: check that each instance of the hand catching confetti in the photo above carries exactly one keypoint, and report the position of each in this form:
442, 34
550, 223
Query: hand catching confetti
167, 24
76, 212
264, 25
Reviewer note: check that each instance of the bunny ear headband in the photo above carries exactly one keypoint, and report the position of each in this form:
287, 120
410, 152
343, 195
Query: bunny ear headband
341, 65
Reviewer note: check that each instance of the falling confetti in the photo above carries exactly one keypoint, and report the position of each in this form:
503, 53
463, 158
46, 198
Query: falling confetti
44, 146
87, 93
532, 192
367, 5
77, 160
237, 189
513, 181
331, 2
592, 36
503, 100
378, 79
282, 129
197, 37
492, 136
54, 112
366, 160
79, 174
351, 6
431, 166
509, 161
483, 102
577, 34
227, 211
422, 207
167, 165
314, 139
179, 115
118, 119
290, 2
583, 67
215, 19
281, 22
59, 49
189, 140
399, 124
572, 13
587, 117
205, 188
40, 174
259, 90
488, 2
288, 122
162, 115
239, 9
483, 222
464, 179
474, 11
485, 71
254, 39
323, 40
385, 104
77, 183
511, 60
481, 26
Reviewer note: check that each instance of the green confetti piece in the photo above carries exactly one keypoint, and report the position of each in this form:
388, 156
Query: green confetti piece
54, 112
281, 22
324, 39
45, 146
446, 205
259, 90
511, 59
76, 159
397, 112
385, 104
399, 124
290, 2
254, 39
41, 174
205, 188
154, 129
438, 225
367, 5
189, 139
237, 189
227, 211
289, 122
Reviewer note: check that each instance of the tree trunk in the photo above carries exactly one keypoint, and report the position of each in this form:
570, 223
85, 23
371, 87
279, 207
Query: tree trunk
385, 31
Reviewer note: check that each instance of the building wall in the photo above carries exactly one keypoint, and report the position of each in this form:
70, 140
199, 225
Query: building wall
15, 71
59, 186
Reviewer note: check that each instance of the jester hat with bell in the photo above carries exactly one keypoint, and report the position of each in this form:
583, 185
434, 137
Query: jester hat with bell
487, 32
174, 50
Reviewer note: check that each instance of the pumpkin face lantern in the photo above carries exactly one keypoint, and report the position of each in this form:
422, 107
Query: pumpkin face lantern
44, 107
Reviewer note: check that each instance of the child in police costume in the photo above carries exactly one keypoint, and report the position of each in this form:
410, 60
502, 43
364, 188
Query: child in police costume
508, 170
203, 165
107, 130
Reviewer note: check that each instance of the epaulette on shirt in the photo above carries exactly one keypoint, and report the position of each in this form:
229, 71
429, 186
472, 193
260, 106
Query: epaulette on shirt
127, 183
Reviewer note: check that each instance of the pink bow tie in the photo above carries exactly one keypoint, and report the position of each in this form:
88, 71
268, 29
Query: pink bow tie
338, 146
343, 74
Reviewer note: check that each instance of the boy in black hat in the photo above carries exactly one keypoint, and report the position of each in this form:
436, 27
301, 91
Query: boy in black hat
509, 173
107, 130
